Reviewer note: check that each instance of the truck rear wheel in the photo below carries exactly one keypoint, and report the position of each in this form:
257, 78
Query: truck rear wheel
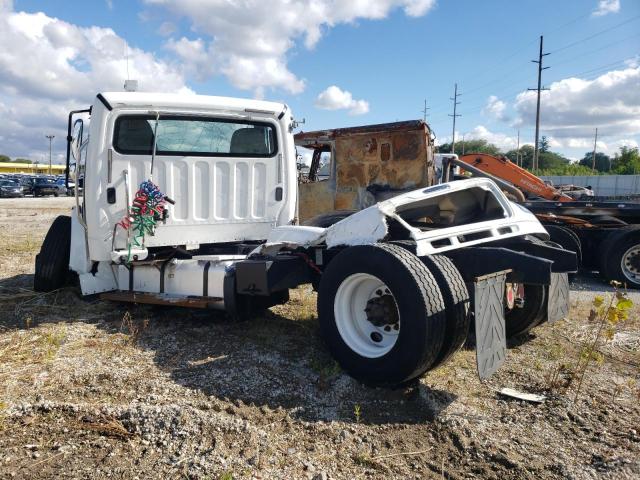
519, 320
620, 258
456, 301
381, 314
52, 263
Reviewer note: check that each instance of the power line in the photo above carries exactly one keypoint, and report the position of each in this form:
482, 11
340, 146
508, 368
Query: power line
594, 50
577, 42
501, 62
515, 93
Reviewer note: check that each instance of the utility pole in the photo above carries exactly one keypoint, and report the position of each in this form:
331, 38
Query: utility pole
50, 137
455, 104
518, 162
593, 157
424, 111
540, 69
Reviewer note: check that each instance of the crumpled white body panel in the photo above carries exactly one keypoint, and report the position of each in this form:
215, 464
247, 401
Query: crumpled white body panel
362, 228
369, 226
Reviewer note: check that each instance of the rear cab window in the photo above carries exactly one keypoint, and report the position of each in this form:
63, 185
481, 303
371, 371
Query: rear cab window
194, 136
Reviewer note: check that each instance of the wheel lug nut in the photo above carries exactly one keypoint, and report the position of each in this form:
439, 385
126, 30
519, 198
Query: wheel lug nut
376, 337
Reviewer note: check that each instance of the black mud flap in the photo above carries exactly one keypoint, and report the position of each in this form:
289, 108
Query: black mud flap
488, 309
558, 298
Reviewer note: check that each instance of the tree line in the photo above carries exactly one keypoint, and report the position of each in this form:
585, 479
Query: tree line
624, 162
6, 158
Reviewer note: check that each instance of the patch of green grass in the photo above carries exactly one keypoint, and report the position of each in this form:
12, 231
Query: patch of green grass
52, 341
357, 412
226, 476
325, 366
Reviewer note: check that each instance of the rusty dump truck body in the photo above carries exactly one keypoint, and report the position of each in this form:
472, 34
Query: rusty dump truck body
376, 162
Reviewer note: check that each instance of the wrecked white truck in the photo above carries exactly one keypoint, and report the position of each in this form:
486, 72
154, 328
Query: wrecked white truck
192, 201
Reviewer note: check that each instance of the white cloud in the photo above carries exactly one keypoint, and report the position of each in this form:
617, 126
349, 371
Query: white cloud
613, 147
503, 141
574, 107
606, 7
333, 98
495, 108
194, 54
249, 42
54, 66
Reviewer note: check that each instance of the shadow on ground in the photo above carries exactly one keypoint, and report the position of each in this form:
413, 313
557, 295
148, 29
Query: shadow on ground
274, 360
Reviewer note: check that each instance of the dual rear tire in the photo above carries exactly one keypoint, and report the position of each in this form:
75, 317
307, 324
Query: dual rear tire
387, 317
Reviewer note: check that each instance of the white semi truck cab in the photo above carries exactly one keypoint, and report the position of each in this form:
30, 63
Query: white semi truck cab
192, 201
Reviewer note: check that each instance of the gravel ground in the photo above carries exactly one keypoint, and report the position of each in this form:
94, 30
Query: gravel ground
90, 389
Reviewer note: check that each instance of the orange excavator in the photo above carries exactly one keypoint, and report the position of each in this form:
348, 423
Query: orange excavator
505, 169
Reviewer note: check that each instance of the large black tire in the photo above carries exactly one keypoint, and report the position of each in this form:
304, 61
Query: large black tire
621, 247
52, 263
420, 309
519, 320
456, 301
325, 220
566, 238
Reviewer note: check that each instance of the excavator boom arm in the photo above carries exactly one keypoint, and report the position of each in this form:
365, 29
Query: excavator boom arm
505, 169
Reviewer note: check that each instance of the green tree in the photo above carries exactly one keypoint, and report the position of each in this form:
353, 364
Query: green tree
471, 146
526, 154
627, 162
543, 146
603, 161
569, 169
4, 158
22, 160
547, 160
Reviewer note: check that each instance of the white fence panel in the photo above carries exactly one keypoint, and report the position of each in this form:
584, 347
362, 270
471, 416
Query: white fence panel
602, 185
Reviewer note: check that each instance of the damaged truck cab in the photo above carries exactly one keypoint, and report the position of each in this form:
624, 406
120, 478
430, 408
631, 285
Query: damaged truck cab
376, 162
192, 201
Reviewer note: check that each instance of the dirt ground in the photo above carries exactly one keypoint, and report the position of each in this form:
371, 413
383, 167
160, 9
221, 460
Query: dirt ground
90, 389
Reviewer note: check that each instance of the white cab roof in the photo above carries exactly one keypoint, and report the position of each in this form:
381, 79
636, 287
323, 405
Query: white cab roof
189, 101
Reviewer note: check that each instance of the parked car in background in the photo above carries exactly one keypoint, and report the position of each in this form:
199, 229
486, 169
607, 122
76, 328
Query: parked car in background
27, 184
63, 189
10, 188
47, 186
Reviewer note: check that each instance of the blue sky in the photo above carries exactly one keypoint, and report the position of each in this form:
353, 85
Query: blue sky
383, 58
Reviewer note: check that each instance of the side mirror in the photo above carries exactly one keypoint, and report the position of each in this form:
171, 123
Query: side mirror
76, 139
